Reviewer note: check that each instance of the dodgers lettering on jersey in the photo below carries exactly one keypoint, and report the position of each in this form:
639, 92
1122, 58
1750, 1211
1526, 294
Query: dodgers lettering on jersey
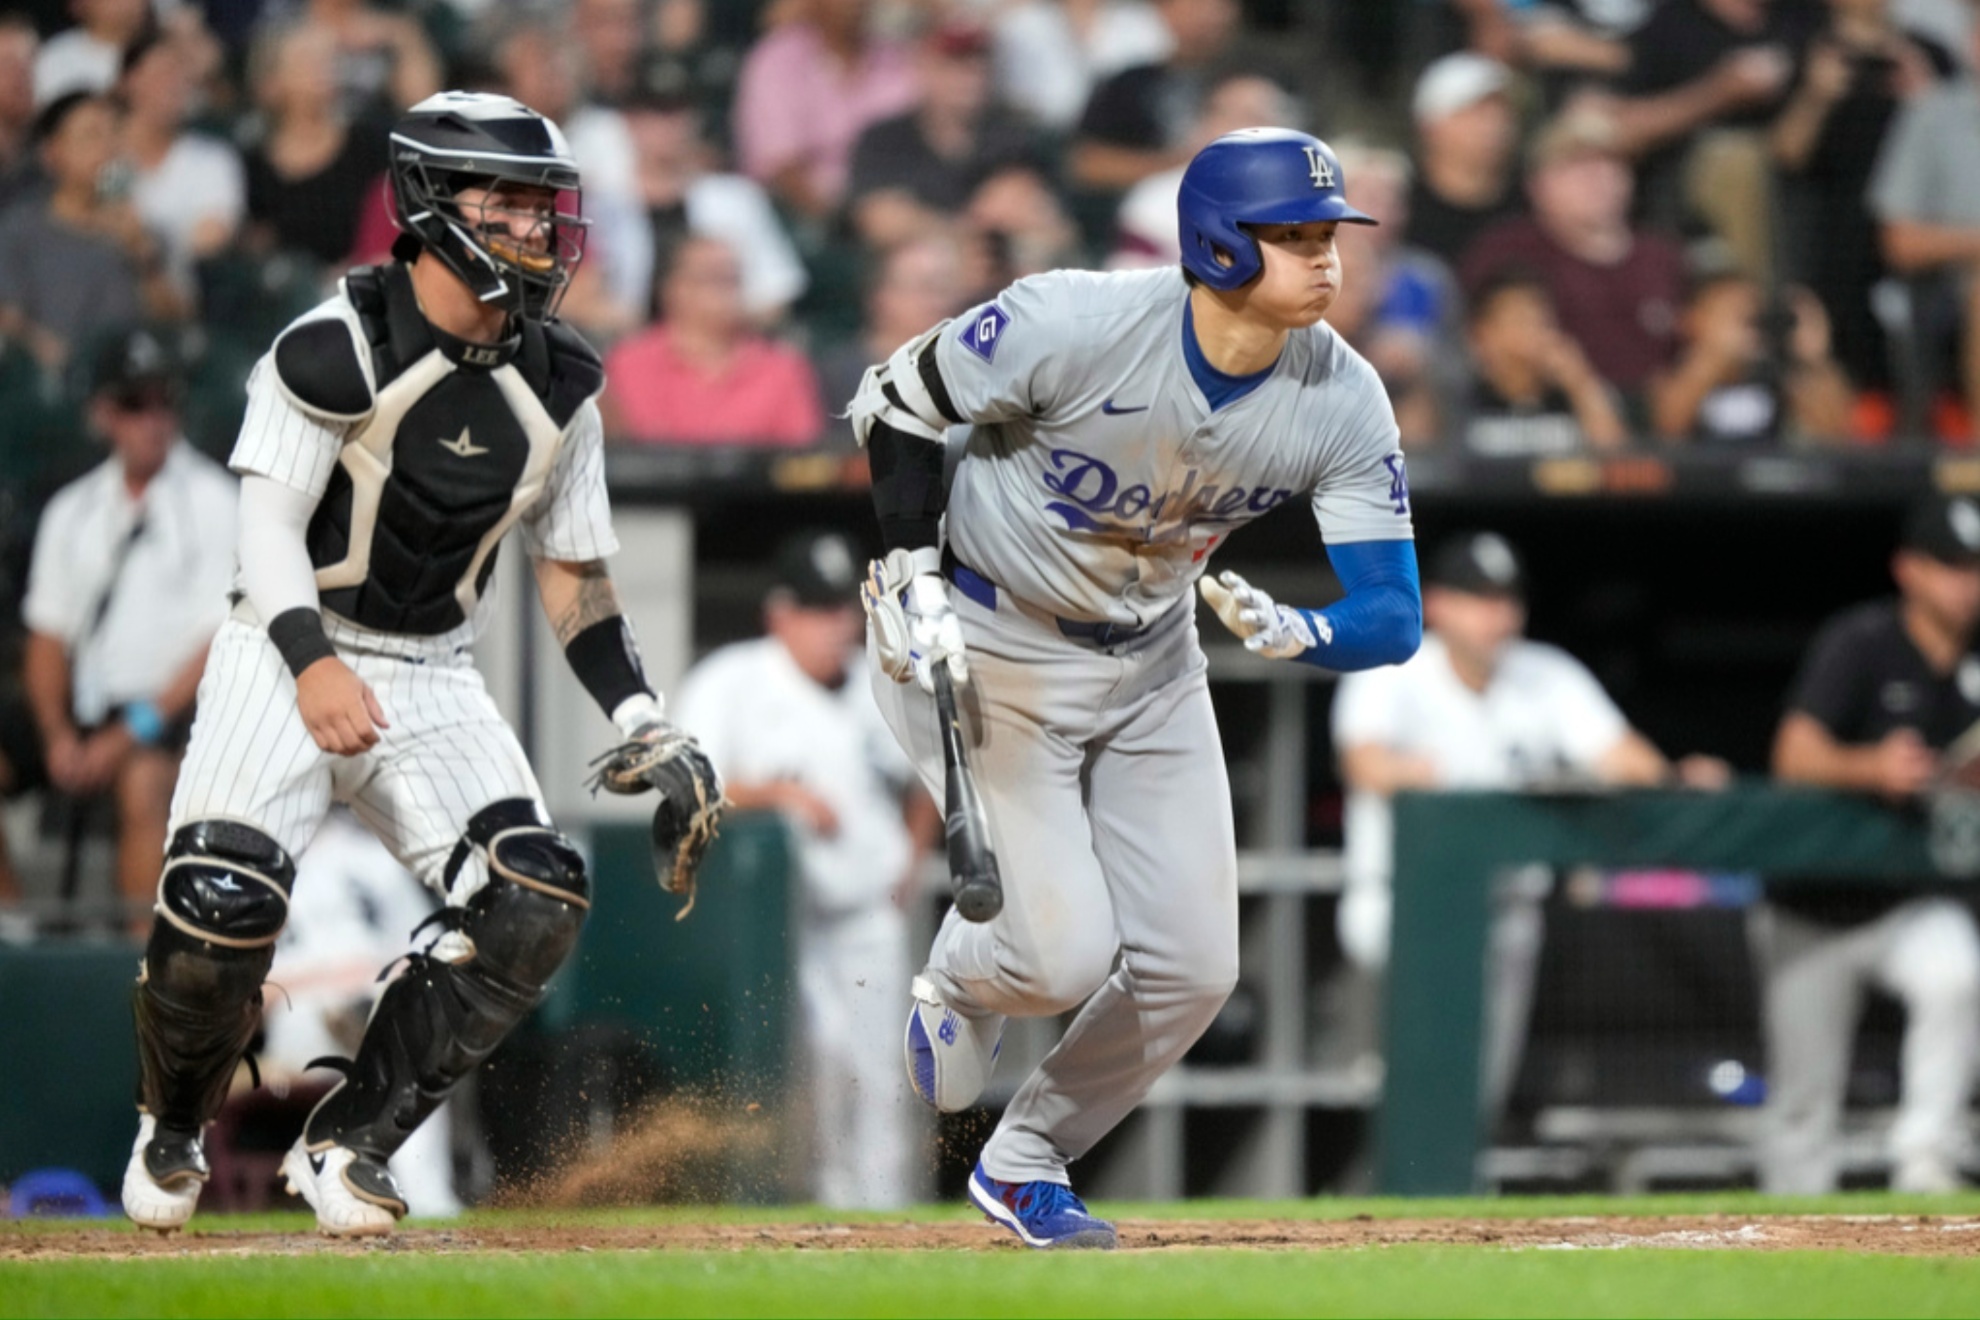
1096, 480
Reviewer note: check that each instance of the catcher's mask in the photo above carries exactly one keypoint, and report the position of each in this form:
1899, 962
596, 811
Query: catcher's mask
490, 188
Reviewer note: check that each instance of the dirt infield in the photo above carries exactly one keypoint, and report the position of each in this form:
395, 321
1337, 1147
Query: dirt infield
1907, 1235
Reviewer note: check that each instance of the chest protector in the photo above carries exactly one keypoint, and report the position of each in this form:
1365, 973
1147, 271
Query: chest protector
449, 444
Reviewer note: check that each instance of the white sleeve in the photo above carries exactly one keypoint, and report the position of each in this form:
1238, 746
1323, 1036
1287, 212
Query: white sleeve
54, 605
572, 519
280, 441
697, 706
1363, 491
1589, 722
998, 359
1368, 708
275, 567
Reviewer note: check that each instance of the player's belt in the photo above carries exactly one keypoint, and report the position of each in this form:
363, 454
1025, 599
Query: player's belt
985, 592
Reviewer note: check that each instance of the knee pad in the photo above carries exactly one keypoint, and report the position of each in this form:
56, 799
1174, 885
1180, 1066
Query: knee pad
226, 883
525, 919
222, 900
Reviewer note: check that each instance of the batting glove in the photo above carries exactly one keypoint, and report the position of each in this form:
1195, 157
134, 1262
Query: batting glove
914, 626
1275, 631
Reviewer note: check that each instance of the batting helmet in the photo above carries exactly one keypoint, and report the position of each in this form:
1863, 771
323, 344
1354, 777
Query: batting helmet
1255, 176
455, 140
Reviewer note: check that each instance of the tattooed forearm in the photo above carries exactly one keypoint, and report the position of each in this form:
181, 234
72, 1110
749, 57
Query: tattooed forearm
590, 600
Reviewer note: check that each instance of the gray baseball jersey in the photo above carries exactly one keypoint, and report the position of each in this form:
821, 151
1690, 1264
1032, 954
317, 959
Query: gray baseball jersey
1094, 484
1097, 479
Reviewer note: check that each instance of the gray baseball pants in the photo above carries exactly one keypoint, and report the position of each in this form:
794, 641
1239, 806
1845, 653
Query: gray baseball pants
1104, 783
1927, 953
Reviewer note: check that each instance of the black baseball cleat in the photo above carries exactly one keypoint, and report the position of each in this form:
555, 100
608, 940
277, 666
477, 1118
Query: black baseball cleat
163, 1179
353, 1194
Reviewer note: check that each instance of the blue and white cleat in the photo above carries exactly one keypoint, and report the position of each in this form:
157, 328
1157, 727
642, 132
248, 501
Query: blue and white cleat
1042, 1214
949, 1056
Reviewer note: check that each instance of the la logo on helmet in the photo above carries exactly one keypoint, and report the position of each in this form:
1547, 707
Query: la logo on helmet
1317, 166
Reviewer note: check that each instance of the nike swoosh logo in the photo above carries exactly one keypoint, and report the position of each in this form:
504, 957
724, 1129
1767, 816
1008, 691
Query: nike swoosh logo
462, 446
316, 1161
1109, 408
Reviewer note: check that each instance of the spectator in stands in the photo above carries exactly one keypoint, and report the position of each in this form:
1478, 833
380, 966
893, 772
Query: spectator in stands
1747, 372
910, 287
1705, 78
1145, 223
129, 581
1478, 707
1616, 289
1854, 76
87, 57
702, 376
1138, 122
1884, 690
794, 722
913, 173
190, 189
682, 193
384, 62
18, 43
1051, 53
1532, 391
609, 42
531, 58
689, 57
1566, 41
1925, 193
1397, 306
311, 171
808, 89
1016, 219
1466, 136
77, 259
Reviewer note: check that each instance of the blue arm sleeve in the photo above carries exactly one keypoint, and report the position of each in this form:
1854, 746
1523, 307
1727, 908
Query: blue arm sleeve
1380, 620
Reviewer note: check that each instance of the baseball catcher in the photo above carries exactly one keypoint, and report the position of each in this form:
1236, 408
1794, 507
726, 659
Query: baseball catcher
393, 437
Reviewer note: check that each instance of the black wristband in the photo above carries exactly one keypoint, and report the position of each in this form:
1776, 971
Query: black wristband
298, 635
605, 659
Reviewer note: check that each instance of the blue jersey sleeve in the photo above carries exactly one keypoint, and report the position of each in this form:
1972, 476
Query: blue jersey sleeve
1380, 620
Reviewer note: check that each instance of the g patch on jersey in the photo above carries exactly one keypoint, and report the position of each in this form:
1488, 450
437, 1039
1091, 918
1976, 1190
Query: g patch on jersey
985, 331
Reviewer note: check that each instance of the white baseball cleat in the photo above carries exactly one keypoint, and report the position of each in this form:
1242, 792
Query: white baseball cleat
949, 1056
162, 1181
352, 1194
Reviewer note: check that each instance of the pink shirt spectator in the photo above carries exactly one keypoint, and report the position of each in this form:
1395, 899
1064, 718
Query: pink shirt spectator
764, 395
796, 102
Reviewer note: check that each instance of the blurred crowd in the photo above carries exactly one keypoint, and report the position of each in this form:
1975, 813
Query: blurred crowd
1605, 222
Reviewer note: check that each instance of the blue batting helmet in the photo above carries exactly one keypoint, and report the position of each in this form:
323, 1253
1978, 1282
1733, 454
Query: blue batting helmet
1255, 176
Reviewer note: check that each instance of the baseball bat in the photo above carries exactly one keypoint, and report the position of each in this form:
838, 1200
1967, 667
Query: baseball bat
973, 874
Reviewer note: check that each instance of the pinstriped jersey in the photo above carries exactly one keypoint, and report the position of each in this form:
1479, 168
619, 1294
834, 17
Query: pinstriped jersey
1096, 480
556, 494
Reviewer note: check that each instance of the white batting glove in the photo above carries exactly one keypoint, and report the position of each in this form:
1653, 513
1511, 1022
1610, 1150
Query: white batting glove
1275, 631
914, 626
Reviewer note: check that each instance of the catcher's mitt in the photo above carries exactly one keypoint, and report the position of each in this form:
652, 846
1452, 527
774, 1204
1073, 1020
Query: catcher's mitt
684, 824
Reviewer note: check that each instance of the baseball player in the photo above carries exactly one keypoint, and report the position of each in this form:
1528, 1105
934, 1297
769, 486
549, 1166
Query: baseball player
392, 436
1121, 426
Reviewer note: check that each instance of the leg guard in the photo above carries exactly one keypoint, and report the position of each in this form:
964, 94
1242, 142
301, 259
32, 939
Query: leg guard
222, 900
457, 1002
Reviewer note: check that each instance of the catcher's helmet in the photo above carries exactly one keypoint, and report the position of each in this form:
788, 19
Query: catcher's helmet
1255, 176
454, 140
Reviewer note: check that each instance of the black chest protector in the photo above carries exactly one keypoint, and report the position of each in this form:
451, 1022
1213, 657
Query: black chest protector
450, 443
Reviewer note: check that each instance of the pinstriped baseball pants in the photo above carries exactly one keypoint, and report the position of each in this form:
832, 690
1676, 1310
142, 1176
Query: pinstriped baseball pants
447, 754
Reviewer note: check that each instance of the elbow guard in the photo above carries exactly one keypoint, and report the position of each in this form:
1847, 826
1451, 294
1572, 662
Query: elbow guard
898, 416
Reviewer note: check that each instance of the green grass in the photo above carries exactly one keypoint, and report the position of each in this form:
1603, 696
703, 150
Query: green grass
1395, 1280
1391, 1281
